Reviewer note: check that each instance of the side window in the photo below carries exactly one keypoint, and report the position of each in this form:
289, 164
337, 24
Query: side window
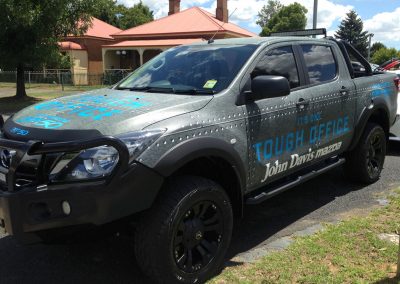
320, 63
359, 69
279, 61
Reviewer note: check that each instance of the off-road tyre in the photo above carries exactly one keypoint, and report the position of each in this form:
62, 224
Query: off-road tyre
365, 163
191, 213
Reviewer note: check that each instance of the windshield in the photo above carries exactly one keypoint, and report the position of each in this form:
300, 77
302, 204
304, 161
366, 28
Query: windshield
203, 69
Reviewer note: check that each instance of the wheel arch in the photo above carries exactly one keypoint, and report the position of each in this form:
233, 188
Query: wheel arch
211, 158
379, 114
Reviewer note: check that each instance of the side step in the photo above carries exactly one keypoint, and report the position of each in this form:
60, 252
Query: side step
394, 138
299, 180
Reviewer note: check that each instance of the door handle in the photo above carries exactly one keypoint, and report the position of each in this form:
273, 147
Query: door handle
344, 91
302, 103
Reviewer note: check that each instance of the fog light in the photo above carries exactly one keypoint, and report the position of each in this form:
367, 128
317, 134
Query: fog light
66, 207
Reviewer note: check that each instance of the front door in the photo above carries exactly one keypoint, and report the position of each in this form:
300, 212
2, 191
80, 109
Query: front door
279, 135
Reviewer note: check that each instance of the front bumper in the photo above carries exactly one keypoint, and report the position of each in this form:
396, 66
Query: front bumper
39, 206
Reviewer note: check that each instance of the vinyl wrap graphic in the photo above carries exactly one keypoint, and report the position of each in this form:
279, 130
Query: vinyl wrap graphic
94, 107
111, 112
382, 89
289, 142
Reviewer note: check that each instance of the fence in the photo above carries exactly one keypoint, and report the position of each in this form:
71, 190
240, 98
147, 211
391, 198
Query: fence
66, 77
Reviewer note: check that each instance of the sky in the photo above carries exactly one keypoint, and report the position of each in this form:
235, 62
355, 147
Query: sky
380, 17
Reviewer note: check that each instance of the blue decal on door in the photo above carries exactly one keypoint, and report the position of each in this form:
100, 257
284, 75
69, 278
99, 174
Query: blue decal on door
382, 89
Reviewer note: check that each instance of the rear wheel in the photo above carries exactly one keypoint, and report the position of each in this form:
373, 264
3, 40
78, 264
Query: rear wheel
184, 238
365, 162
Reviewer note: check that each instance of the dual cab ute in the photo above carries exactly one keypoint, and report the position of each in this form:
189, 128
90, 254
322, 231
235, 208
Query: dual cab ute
189, 138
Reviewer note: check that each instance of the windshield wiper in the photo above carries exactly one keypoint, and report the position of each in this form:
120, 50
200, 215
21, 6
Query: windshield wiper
155, 89
195, 92
160, 89
152, 89
122, 88
138, 88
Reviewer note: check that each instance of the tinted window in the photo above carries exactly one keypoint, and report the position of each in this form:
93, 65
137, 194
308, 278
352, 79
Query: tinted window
281, 62
320, 63
186, 68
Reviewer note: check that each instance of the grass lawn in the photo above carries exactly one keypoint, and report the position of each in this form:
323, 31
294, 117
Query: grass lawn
51, 87
348, 252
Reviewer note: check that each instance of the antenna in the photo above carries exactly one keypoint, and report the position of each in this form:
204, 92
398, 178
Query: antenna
211, 40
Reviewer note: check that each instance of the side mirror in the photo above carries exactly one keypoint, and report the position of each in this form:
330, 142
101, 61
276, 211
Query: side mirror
268, 86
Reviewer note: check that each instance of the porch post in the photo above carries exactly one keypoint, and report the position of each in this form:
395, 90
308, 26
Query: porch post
103, 51
141, 51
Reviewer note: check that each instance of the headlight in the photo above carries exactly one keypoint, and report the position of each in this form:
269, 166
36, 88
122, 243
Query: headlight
88, 164
100, 161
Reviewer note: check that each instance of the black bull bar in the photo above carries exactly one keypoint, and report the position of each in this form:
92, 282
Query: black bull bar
21, 151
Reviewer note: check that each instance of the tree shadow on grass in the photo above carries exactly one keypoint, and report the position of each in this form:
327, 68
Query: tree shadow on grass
394, 280
10, 105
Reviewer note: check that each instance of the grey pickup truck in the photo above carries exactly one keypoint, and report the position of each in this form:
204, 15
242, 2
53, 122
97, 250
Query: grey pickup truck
184, 142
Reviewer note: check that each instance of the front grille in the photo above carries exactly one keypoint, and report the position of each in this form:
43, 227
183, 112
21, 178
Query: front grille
27, 173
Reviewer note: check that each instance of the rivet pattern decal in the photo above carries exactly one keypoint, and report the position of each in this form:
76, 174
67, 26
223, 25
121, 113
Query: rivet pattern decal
243, 124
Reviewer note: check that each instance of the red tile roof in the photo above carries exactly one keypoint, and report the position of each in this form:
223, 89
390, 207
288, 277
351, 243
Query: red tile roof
191, 21
99, 29
157, 42
69, 45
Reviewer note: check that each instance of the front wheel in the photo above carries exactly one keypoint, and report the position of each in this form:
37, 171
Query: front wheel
365, 162
184, 238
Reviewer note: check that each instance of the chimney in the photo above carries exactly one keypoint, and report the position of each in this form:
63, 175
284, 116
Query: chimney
222, 10
174, 6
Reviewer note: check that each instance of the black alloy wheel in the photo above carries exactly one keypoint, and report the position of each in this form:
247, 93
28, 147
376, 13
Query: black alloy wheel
198, 236
185, 235
365, 162
375, 154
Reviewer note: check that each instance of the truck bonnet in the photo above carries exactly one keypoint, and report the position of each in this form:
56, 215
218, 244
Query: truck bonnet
105, 111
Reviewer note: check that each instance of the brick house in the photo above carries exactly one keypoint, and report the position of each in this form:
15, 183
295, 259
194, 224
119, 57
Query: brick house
107, 49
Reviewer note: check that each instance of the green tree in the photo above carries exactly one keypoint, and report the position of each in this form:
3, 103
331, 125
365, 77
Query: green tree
289, 18
59, 60
121, 16
108, 11
384, 54
137, 15
376, 46
268, 11
31, 29
351, 30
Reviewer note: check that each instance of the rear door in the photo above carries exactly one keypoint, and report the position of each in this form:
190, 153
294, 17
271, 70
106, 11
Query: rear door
333, 97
